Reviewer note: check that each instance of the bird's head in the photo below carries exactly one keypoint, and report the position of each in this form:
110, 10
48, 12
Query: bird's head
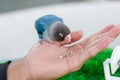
58, 31
53, 26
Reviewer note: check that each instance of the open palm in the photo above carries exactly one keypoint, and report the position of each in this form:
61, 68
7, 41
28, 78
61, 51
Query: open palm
48, 61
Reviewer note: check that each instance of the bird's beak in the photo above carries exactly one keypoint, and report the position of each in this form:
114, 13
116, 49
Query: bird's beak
68, 38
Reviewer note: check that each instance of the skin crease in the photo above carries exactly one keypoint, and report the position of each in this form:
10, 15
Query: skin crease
42, 62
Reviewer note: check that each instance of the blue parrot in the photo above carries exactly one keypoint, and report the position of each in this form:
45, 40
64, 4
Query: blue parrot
51, 28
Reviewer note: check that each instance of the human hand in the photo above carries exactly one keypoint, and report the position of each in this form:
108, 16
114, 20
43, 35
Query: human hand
48, 61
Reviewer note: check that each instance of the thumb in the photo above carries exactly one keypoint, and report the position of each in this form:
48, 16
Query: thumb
73, 37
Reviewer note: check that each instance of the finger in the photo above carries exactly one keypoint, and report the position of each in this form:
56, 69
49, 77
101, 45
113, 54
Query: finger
114, 32
94, 42
111, 34
106, 29
76, 36
90, 52
94, 39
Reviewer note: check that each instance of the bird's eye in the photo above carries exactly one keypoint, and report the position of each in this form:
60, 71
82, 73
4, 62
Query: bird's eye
61, 35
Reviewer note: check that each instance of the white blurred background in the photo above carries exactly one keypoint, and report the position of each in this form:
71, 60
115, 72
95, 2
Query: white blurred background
17, 17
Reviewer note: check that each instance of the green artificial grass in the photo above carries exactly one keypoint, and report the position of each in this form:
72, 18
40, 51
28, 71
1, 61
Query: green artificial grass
92, 69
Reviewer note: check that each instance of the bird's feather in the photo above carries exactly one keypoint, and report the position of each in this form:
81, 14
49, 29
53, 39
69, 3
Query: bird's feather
51, 28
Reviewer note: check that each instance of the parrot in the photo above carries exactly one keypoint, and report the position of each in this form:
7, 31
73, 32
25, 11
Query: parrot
52, 29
